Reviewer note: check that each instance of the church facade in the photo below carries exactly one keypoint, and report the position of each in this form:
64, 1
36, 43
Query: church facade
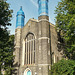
35, 43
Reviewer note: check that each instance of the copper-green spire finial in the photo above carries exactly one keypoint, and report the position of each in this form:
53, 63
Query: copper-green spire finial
20, 7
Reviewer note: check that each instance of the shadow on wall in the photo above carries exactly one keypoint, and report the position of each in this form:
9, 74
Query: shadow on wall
60, 44
15, 69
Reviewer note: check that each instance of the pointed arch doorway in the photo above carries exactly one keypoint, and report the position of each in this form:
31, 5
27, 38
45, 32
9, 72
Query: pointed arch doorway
27, 72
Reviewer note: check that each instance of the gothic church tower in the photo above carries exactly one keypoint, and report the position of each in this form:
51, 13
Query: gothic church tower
35, 43
43, 38
19, 25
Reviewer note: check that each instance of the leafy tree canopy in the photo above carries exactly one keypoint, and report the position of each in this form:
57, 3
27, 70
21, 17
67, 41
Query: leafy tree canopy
5, 14
64, 67
6, 41
6, 51
65, 24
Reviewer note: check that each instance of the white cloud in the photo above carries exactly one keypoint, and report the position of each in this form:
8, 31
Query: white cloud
35, 3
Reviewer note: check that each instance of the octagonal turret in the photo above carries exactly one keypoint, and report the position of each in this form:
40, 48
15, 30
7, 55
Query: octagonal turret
20, 18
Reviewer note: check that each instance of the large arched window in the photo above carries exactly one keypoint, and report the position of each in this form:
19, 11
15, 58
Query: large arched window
29, 54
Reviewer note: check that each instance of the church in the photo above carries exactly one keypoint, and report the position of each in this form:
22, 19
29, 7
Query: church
35, 43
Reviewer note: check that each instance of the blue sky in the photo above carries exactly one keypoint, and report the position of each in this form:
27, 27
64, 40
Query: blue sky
30, 8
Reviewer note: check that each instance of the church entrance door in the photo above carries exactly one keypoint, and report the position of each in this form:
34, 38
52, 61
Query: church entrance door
29, 73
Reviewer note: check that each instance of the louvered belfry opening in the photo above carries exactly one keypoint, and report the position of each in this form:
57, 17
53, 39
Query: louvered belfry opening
29, 49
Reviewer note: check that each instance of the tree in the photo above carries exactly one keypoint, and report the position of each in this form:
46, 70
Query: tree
8, 60
6, 41
5, 14
64, 67
65, 24
8, 55
6, 52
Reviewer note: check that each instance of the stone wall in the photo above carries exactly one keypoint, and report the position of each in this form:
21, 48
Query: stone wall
46, 50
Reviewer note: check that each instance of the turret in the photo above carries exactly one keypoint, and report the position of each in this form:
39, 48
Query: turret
19, 25
20, 18
43, 36
43, 9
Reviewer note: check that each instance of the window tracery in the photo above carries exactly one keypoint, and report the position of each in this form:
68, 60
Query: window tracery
29, 49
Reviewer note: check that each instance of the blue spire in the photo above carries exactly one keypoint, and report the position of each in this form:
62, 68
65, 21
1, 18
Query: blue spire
20, 18
21, 8
43, 7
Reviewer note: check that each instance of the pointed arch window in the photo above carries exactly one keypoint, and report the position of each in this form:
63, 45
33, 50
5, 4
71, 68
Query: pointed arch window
29, 56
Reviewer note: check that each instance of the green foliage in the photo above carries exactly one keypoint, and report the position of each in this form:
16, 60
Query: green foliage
64, 67
65, 24
6, 41
5, 13
6, 50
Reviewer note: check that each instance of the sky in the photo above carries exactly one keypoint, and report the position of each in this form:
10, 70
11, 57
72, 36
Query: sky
30, 8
